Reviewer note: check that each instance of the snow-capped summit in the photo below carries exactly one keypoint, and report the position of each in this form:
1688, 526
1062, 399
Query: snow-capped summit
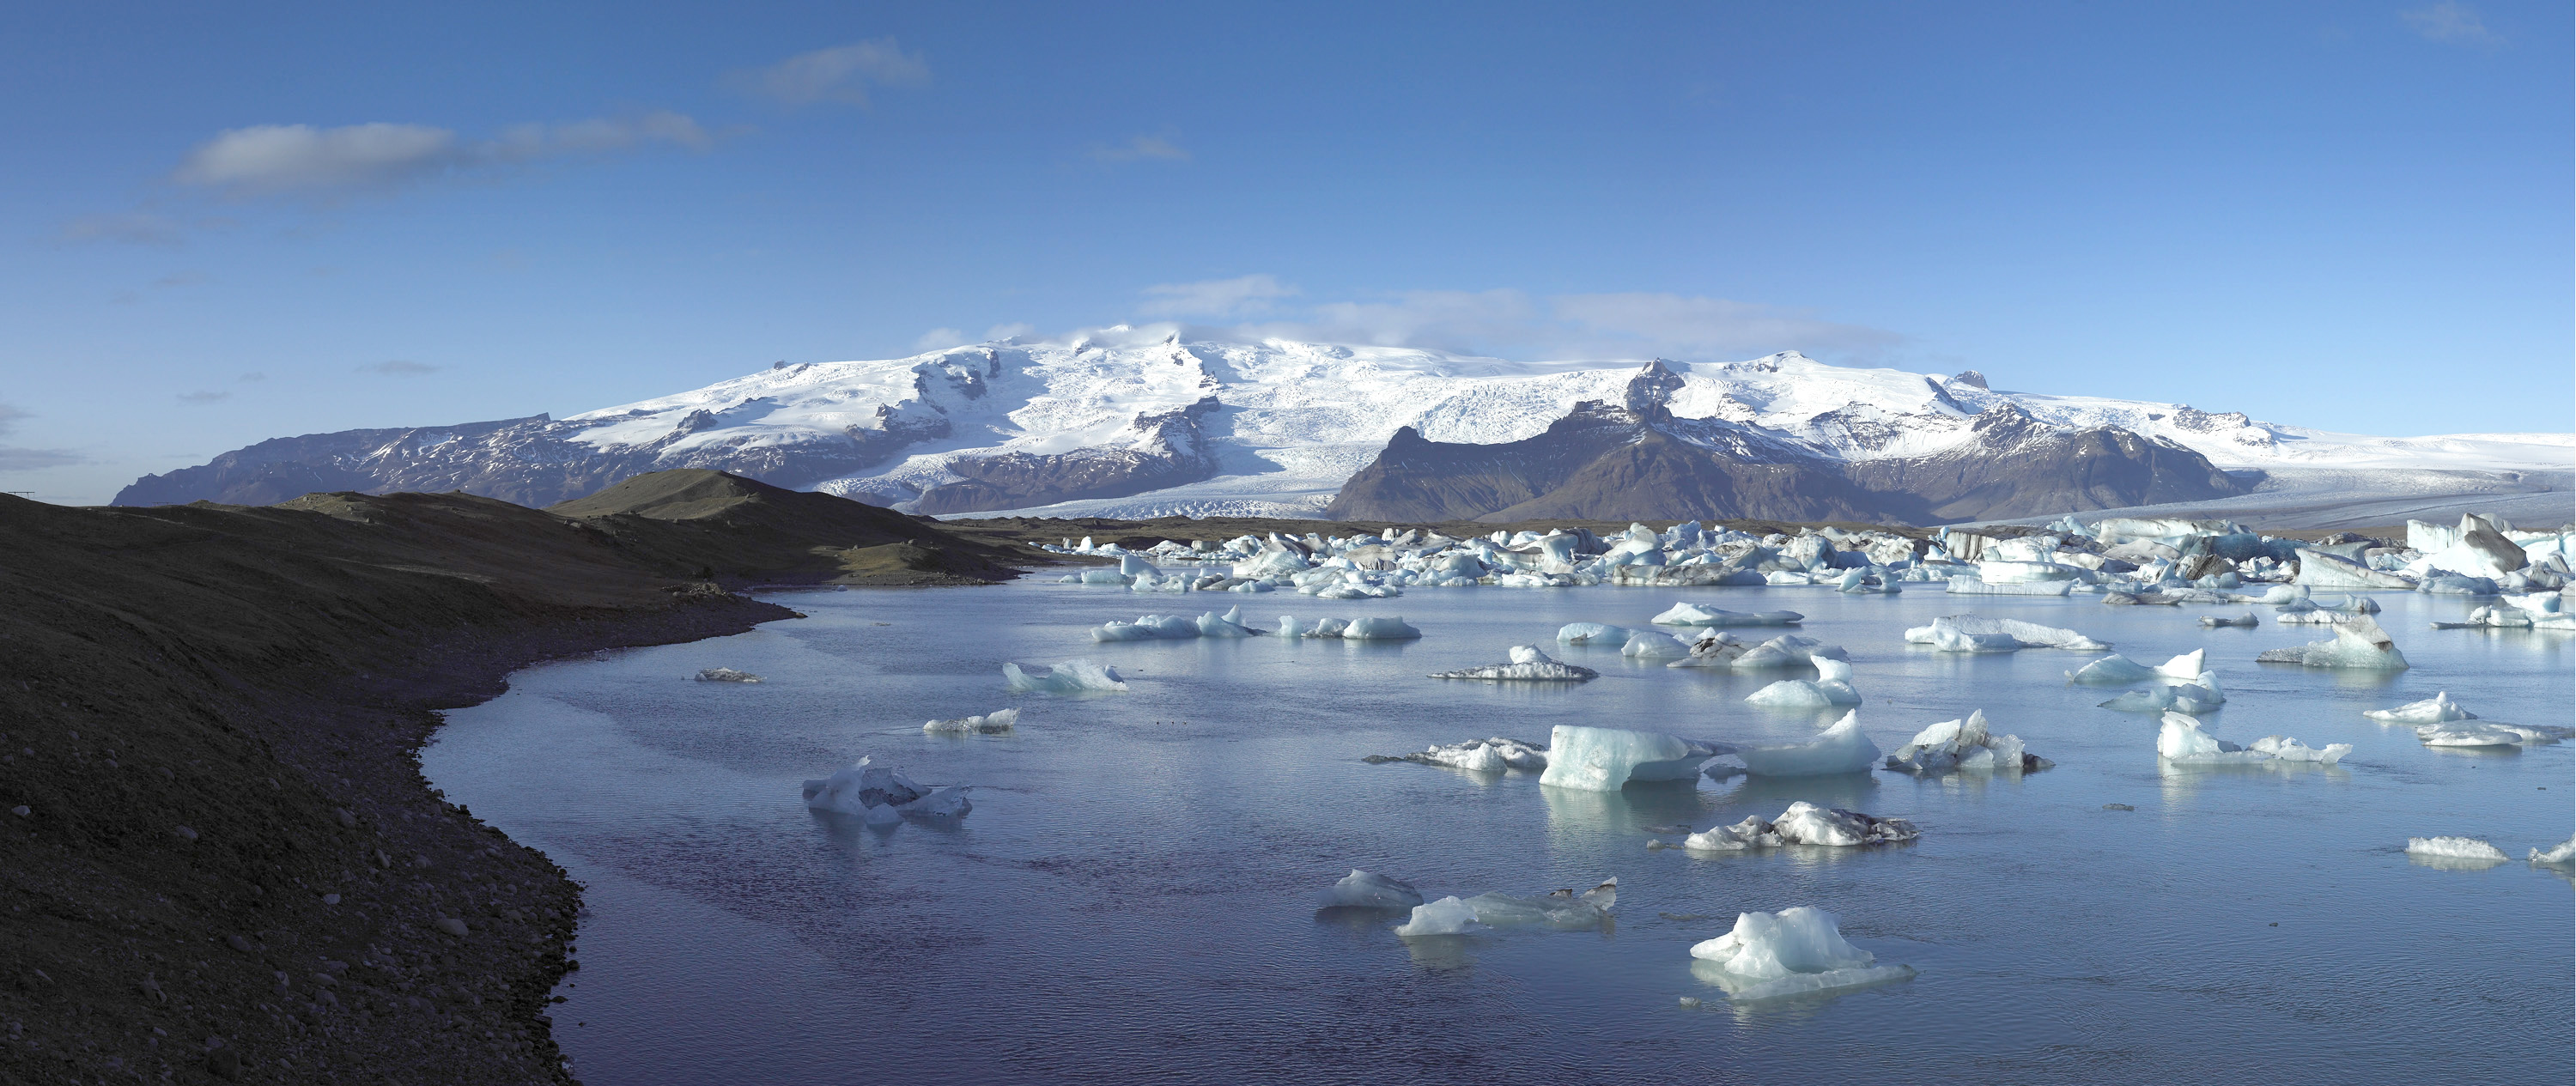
1134, 421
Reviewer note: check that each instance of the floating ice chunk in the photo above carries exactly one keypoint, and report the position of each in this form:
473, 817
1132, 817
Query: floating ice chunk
2457, 848
1691, 614
2488, 733
1804, 824
1229, 624
2216, 621
1787, 650
2358, 644
1953, 746
1791, 952
1528, 664
1447, 916
1477, 755
1147, 628
1605, 759
1970, 586
992, 723
2321, 570
2559, 855
1843, 748
1364, 890
1831, 687
941, 803
2181, 740
1384, 628
1653, 645
1969, 633
1069, 677
2200, 695
726, 675
2437, 709
1592, 633
2118, 670
882, 795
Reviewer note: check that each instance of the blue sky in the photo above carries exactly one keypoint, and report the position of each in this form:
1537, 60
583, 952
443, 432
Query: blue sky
239, 222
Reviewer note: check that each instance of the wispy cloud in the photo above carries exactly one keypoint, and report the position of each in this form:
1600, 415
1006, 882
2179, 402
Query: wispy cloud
1215, 298
1138, 148
838, 74
938, 339
203, 397
301, 159
180, 279
2451, 23
253, 377
128, 227
398, 368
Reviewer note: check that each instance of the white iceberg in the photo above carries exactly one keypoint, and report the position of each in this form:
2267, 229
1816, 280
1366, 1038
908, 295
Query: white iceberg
1605, 759
1447, 916
1832, 686
2488, 733
1364, 890
2559, 855
2214, 621
1527, 664
2456, 848
1653, 645
2118, 670
992, 723
1954, 746
726, 675
1971, 586
1562, 909
1592, 633
2181, 740
1069, 677
1803, 824
2200, 695
2359, 644
1477, 755
1969, 633
1786, 650
2437, 709
1147, 628
1691, 614
1792, 952
1843, 748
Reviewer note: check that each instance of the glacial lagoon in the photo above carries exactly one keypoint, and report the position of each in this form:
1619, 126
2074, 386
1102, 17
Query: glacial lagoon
1134, 895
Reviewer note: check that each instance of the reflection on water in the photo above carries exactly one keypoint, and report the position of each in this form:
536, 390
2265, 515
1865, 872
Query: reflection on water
1133, 895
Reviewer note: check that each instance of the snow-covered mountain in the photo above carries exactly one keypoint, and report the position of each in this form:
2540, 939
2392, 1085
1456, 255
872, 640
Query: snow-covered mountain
1133, 421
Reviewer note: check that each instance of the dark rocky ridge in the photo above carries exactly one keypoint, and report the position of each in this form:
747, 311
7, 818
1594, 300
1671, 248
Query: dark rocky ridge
1636, 461
263, 677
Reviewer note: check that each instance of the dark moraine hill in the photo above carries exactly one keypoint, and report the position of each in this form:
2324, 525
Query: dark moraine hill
218, 859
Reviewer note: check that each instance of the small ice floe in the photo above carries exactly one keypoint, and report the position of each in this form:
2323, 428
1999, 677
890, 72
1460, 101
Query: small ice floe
1717, 648
2437, 709
1968, 633
1842, 748
1653, 645
1069, 677
1564, 910
1965, 746
2118, 670
1832, 686
1692, 614
726, 675
2197, 696
1357, 629
2246, 620
2488, 733
1592, 633
2562, 854
1972, 586
2358, 645
1176, 628
1605, 759
996, 722
1795, 951
2456, 848
882, 796
1803, 824
1493, 755
2181, 740
1528, 664
1365, 890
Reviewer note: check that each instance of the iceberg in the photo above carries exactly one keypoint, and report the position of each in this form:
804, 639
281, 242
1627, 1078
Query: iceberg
726, 675
1147, 628
1379, 629
2215, 621
882, 795
993, 723
1971, 586
2181, 740
1476, 755
1691, 614
1954, 746
1803, 824
1653, 645
2437, 709
1831, 687
1563, 909
1605, 759
1363, 890
1527, 664
1447, 916
1591, 633
2559, 855
1786, 650
2487, 733
1069, 677
2358, 644
2456, 848
2317, 569
2200, 695
1842, 748
1793, 952
1968, 633
2118, 670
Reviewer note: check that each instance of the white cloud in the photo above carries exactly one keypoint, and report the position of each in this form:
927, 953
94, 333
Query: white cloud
398, 368
204, 397
300, 158
1714, 327
938, 339
2451, 24
1139, 147
839, 74
1236, 297
1013, 330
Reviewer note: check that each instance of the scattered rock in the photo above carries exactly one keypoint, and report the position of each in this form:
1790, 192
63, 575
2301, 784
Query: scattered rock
451, 926
348, 818
187, 834
224, 1063
20, 810
237, 943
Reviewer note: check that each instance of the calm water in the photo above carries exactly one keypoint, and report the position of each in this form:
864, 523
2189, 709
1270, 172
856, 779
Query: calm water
1133, 896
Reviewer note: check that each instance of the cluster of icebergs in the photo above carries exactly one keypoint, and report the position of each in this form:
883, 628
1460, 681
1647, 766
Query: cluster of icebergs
2183, 684
1607, 759
2474, 852
2441, 722
1494, 755
2181, 741
1069, 677
1562, 909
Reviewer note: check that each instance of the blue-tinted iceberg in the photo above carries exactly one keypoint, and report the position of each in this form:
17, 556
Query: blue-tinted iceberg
1795, 951
1365, 890
1069, 677
1843, 748
1832, 686
1605, 759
